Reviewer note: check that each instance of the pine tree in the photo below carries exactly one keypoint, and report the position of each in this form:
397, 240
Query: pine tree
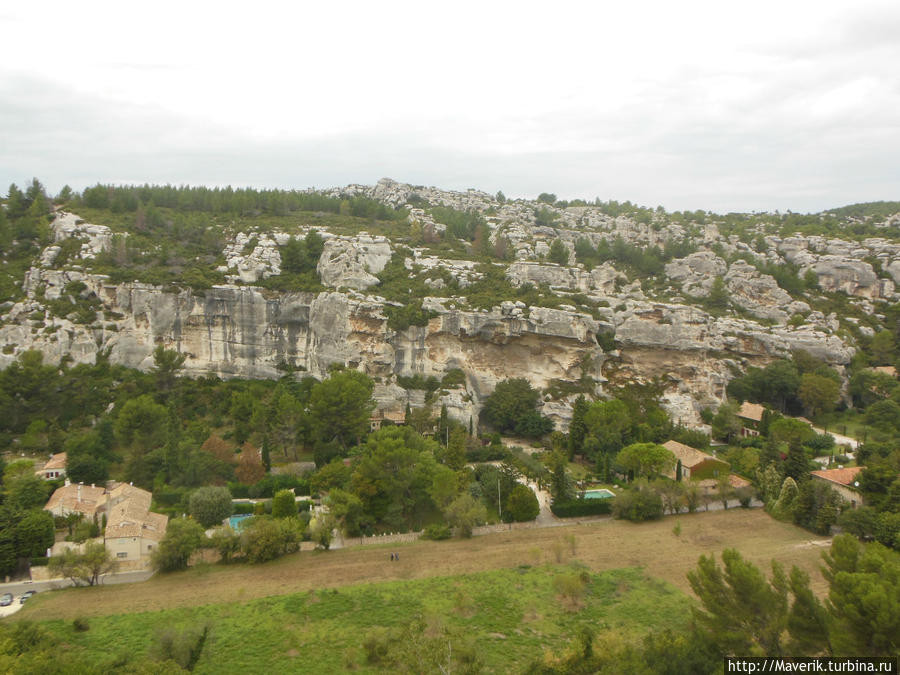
796, 465
743, 612
559, 253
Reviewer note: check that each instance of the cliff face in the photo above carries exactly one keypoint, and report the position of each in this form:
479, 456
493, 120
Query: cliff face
233, 331
242, 330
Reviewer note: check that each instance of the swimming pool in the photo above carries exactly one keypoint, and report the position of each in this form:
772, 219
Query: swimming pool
602, 493
235, 521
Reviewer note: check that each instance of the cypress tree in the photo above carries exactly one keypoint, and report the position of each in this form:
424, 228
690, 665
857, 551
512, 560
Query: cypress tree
796, 465
266, 454
678, 471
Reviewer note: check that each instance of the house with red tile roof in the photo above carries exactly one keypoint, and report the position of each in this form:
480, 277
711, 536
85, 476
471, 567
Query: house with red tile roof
844, 481
695, 464
54, 468
132, 530
750, 415
89, 500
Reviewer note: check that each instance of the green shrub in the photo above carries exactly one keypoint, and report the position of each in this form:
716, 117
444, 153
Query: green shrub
638, 505
437, 532
581, 507
487, 453
411, 314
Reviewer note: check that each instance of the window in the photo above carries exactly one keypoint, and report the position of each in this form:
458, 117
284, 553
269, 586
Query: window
122, 554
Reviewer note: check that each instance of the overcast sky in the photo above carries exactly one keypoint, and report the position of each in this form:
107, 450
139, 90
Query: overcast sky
692, 105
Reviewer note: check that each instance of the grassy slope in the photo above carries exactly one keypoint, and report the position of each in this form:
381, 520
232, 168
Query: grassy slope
512, 615
601, 545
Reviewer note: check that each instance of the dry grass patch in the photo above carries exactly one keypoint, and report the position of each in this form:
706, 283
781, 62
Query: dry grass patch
601, 545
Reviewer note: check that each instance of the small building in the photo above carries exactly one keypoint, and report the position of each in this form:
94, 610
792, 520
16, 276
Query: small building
750, 415
379, 417
844, 482
132, 531
886, 370
54, 468
695, 464
88, 500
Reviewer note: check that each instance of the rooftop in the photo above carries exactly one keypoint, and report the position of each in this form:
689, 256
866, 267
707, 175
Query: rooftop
57, 461
846, 476
85, 499
751, 411
690, 457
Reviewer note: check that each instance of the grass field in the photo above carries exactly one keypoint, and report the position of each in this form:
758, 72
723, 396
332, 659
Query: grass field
506, 617
599, 545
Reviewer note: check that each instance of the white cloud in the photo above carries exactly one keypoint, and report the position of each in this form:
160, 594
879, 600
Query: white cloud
692, 105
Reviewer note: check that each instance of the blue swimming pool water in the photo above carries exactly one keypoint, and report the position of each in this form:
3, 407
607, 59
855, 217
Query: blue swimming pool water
235, 521
602, 493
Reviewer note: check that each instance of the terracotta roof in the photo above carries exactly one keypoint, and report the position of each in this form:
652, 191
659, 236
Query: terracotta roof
887, 370
57, 461
88, 500
690, 457
136, 495
131, 517
738, 482
751, 411
845, 476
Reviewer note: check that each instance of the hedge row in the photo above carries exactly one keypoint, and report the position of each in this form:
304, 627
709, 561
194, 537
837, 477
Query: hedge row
581, 507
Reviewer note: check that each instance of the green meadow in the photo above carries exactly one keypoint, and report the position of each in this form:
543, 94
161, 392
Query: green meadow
498, 621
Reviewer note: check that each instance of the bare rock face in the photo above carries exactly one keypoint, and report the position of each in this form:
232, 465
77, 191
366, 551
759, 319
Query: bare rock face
848, 275
602, 278
758, 293
796, 251
696, 272
261, 262
893, 269
684, 328
353, 262
96, 238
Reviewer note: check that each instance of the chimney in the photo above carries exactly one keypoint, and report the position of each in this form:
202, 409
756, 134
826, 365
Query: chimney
79, 492
93, 486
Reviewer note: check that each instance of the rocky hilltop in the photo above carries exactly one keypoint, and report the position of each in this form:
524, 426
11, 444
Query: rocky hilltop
710, 312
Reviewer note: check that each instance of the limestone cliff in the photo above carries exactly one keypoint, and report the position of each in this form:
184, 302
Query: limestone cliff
650, 327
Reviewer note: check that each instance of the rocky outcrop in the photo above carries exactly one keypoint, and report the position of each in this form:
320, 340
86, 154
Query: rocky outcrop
353, 262
602, 279
261, 261
760, 294
696, 272
850, 276
96, 238
893, 268
684, 328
